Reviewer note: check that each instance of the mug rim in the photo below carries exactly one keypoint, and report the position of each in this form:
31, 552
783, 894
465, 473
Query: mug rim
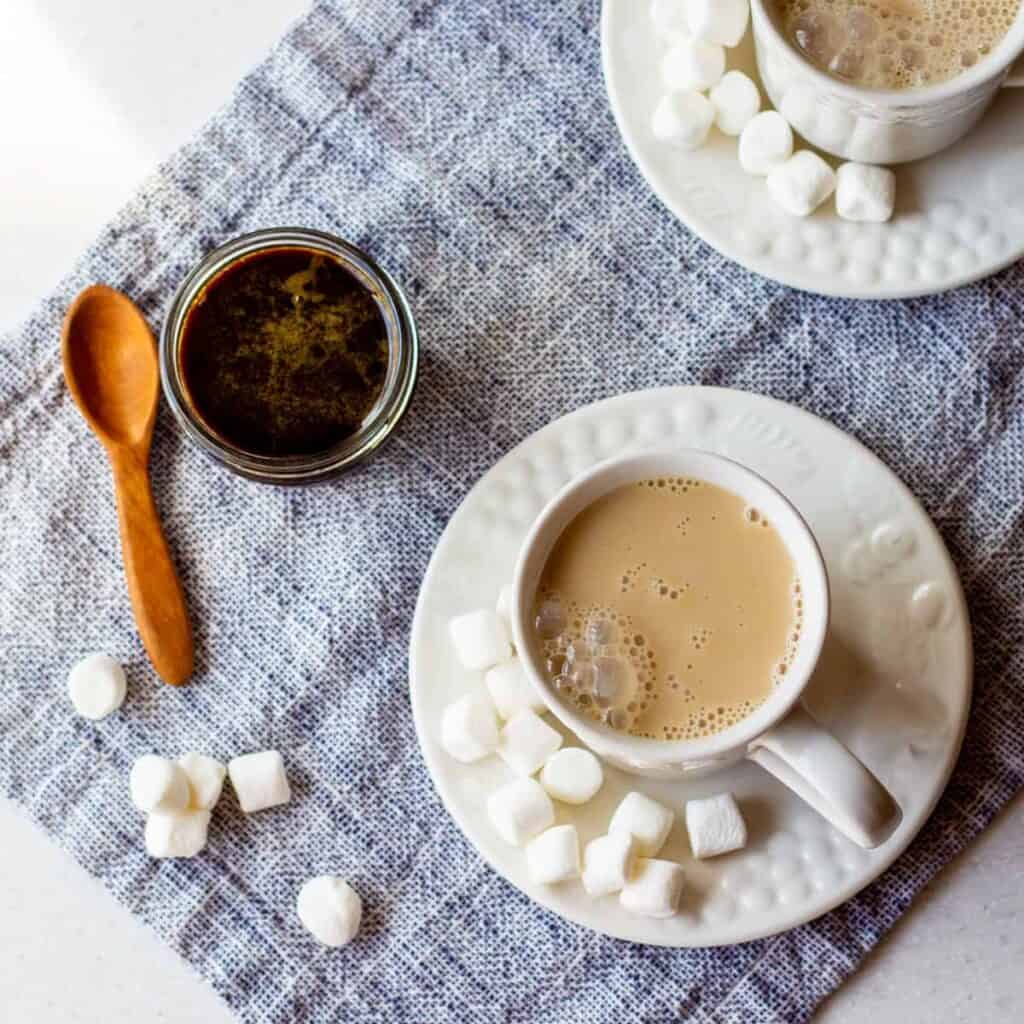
641, 752
999, 61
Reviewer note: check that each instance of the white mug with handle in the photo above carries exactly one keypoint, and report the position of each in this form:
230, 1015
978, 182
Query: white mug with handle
779, 735
879, 126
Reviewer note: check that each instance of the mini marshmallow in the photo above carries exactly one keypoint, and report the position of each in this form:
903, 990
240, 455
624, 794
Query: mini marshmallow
669, 17
526, 742
503, 608
736, 101
205, 780
554, 856
647, 821
259, 780
691, 64
480, 638
683, 119
765, 143
97, 686
572, 775
715, 826
607, 863
653, 889
157, 784
865, 193
520, 810
511, 690
718, 21
469, 730
176, 833
802, 183
330, 910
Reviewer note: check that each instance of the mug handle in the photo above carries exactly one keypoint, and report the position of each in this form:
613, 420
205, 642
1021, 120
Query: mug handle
821, 771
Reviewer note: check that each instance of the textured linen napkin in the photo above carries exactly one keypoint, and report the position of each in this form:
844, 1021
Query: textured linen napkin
469, 147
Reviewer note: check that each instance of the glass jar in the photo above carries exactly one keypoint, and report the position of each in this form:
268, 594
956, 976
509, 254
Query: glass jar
383, 417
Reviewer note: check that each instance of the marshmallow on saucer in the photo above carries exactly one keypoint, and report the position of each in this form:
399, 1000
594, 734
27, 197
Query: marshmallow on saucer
802, 183
607, 863
865, 193
572, 775
736, 101
526, 742
97, 686
554, 856
157, 784
520, 810
653, 889
647, 821
765, 143
511, 689
469, 730
669, 17
330, 910
205, 780
503, 608
683, 119
480, 638
176, 833
691, 64
718, 21
259, 780
715, 826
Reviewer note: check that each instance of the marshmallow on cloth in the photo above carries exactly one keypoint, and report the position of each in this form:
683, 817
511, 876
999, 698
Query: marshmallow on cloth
97, 686
718, 21
554, 856
683, 119
765, 143
520, 810
526, 742
205, 780
691, 64
572, 775
607, 863
653, 889
259, 780
802, 183
715, 826
330, 910
176, 833
647, 821
511, 689
469, 730
865, 193
736, 101
480, 638
503, 608
157, 784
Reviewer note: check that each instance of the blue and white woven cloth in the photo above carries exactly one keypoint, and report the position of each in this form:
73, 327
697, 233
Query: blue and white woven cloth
468, 146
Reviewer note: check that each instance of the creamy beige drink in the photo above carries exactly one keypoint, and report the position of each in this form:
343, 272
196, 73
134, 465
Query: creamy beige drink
668, 609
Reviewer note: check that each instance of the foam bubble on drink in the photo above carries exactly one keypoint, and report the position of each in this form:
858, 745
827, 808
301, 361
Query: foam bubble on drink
896, 44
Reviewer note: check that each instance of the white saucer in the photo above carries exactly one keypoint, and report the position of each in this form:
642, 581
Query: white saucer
894, 684
960, 214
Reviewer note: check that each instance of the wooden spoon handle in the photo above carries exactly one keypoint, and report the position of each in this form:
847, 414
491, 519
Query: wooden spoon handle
153, 586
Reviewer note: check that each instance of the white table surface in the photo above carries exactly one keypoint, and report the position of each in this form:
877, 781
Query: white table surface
92, 96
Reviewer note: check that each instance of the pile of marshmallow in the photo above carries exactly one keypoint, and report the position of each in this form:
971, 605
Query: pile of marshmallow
698, 32
504, 718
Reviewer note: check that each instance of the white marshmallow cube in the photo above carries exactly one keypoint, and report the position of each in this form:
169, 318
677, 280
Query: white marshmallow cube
647, 821
259, 780
205, 780
736, 102
554, 856
608, 863
865, 193
469, 730
526, 742
511, 689
503, 608
683, 119
653, 889
330, 910
802, 183
715, 826
176, 833
520, 810
692, 64
573, 775
718, 21
669, 17
97, 686
765, 143
158, 784
481, 639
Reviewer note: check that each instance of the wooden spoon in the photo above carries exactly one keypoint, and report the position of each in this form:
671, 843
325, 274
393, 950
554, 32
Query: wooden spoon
110, 365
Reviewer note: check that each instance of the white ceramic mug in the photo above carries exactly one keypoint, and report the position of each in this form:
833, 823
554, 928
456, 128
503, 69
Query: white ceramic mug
779, 735
879, 126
